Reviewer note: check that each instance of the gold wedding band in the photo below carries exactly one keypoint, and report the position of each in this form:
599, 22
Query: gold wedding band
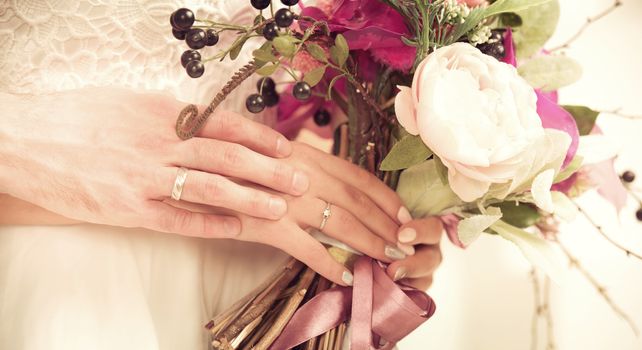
179, 183
326, 215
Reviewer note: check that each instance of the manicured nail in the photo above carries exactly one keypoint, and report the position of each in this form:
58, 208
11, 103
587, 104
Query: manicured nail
300, 182
404, 216
283, 147
401, 273
407, 235
232, 226
406, 248
278, 206
347, 278
394, 253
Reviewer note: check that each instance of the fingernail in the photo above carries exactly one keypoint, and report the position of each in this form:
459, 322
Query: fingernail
300, 182
406, 235
394, 253
232, 226
347, 278
404, 216
406, 248
283, 147
277, 206
401, 273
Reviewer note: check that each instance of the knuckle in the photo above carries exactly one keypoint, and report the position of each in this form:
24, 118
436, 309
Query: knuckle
179, 222
345, 220
359, 198
282, 175
256, 203
213, 189
231, 155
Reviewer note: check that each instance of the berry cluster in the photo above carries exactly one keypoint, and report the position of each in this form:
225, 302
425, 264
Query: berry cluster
182, 21
266, 96
283, 18
495, 45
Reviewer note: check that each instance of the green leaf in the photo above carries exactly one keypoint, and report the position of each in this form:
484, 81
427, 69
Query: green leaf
471, 228
317, 52
339, 52
409, 151
267, 69
519, 215
314, 76
264, 55
584, 117
423, 193
237, 47
409, 42
442, 171
539, 24
503, 6
550, 72
537, 250
284, 46
570, 169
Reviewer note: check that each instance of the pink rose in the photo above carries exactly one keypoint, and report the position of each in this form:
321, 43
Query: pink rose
480, 118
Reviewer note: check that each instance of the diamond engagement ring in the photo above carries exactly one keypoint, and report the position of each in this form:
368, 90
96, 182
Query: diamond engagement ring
326, 215
179, 183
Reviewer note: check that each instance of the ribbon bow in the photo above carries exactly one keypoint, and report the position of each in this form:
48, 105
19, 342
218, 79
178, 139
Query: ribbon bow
377, 307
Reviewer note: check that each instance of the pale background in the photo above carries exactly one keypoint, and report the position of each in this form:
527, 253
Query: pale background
484, 294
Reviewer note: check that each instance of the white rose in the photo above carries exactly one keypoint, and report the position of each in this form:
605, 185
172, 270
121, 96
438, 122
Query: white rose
480, 118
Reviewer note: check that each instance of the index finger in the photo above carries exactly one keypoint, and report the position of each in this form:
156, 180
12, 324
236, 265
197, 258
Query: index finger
232, 127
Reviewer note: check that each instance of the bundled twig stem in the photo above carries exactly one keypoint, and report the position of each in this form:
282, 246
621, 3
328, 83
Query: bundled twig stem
260, 305
575, 263
618, 112
600, 230
589, 21
291, 305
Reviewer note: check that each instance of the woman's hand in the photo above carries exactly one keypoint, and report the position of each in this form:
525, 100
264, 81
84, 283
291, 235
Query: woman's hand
422, 237
365, 214
110, 156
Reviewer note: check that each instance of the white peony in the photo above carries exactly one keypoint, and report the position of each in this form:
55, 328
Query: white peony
480, 118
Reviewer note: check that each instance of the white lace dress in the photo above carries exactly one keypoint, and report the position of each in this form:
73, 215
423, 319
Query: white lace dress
99, 287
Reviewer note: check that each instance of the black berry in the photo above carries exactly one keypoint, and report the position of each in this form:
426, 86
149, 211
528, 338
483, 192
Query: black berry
255, 103
302, 91
195, 69
188, 56
290, 2
260, 4
211, 37
179, 34
270, 31
628, 176
196, 38
182, 19
266, 85
270, 98
322, 117
284, 18
638, 214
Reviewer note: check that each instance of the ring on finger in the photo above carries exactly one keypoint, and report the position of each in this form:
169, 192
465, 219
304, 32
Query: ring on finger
179, 183
327, 212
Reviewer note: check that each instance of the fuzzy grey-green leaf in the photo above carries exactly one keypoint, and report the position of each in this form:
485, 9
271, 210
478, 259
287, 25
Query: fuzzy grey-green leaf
268, 69
538, 25
284, 46
550, 72
409, 151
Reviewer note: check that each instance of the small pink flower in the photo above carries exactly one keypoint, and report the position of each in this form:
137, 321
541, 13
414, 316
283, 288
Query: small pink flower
304, 62
473, 3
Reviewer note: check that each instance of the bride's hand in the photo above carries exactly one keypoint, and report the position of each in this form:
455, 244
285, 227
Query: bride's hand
365, 214
110, 156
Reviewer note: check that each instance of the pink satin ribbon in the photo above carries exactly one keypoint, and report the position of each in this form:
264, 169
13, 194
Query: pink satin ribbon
379, 310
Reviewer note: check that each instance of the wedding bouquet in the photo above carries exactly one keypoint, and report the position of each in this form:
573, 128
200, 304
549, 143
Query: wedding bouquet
452, 103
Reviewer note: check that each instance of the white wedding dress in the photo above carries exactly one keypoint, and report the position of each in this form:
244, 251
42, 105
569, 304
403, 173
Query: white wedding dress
98, 287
